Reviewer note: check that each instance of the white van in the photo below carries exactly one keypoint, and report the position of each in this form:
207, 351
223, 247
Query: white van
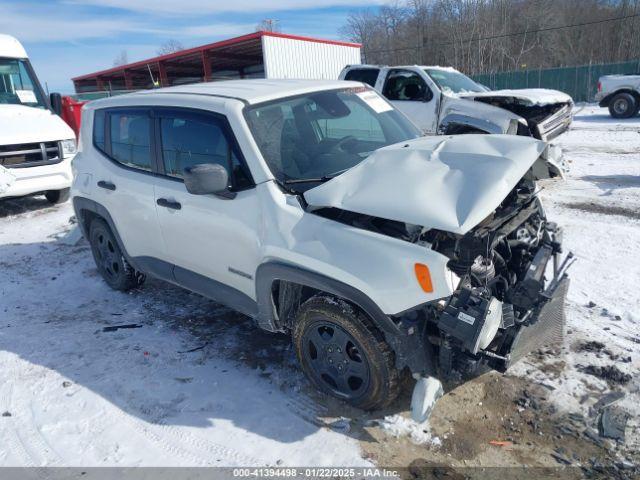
36, 145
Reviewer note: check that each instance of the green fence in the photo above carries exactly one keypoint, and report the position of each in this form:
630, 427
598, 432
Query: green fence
581, 82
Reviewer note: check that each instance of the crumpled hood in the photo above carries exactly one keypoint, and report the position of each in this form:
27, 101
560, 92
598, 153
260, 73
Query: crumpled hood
448, 183
527, 96
22, 124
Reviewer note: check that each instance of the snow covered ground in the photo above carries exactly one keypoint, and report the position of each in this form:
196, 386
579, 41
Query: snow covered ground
196, 384
599, 208
183, 389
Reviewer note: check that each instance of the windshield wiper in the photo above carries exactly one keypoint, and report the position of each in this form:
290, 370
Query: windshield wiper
322, 179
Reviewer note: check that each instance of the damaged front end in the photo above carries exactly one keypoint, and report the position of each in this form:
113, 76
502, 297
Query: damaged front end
513, 284
471, 202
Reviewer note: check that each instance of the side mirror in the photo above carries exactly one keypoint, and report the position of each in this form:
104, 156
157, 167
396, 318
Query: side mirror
428, 95
56, 103
206, 178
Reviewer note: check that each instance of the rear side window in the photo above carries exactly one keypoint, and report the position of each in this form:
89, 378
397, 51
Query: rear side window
364, 75
130, 139
98, 130
189, 139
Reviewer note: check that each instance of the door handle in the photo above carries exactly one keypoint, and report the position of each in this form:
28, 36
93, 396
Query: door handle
165, 202
106, 185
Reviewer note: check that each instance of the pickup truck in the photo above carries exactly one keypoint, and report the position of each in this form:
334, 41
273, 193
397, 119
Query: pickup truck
619, 93
442, 100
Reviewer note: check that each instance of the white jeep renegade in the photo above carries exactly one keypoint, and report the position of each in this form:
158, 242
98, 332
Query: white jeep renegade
317, 209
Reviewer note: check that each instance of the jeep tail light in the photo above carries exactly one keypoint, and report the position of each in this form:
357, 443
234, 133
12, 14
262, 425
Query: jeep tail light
599, 86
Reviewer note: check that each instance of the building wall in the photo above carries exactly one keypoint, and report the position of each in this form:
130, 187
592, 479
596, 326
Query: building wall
291, 58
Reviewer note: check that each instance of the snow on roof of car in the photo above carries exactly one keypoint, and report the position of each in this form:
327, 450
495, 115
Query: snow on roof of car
255, 90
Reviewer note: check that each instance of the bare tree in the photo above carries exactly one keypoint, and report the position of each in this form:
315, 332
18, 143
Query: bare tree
170, 46
121, 59
483, 36
268, 25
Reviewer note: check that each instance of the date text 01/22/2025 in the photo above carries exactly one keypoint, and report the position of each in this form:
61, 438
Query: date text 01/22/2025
314, 472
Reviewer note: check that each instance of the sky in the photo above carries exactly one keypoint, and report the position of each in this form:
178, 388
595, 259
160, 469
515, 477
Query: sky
67, 38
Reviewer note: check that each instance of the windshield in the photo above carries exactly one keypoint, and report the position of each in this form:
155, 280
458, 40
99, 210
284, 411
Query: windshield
451, 81
317, 136
18, 84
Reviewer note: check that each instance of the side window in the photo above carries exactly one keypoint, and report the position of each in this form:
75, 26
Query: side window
364, 75
189, 140
130, 139
98, 130
406, 85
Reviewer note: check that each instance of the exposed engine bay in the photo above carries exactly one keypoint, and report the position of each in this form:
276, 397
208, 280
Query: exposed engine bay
505, 285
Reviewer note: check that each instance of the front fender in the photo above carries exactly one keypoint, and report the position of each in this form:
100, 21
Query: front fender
477, 115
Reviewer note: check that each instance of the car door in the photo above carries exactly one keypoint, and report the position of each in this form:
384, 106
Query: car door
124, 179
212, 239
410, 94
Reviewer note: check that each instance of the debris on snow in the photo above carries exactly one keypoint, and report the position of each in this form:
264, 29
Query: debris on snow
426, 393
6, 414
72, 237
560, 458
613, 423
201, 347
606, 400
610, 373
399, 426
113, 328
342, 425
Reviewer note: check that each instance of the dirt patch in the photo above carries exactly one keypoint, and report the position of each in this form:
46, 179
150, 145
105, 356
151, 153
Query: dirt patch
495, 421
604, 209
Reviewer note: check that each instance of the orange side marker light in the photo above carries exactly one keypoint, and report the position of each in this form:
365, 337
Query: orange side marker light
424, 277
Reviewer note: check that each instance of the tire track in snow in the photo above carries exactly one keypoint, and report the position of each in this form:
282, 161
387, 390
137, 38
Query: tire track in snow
164, 436
22, 445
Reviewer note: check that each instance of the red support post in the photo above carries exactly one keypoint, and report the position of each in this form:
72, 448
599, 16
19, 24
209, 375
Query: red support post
128, 84
206, 66
162, 72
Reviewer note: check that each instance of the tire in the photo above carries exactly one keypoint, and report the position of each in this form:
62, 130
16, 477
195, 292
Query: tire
623, 105
111, 264
344, 355
57, 196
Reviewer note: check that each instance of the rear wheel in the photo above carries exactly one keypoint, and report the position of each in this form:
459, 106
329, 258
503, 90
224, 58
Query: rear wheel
623, 105
57, 196
113, 267
344, 355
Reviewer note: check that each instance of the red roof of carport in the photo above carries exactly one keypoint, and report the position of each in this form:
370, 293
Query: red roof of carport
209, 46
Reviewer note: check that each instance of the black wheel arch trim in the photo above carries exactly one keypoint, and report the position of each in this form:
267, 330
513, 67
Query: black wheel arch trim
82, 204
269, 272
607, 100
411, 350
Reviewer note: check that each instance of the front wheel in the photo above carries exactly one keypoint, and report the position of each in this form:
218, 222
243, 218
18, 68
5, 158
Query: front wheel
623, 105
57, 196
344, 355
